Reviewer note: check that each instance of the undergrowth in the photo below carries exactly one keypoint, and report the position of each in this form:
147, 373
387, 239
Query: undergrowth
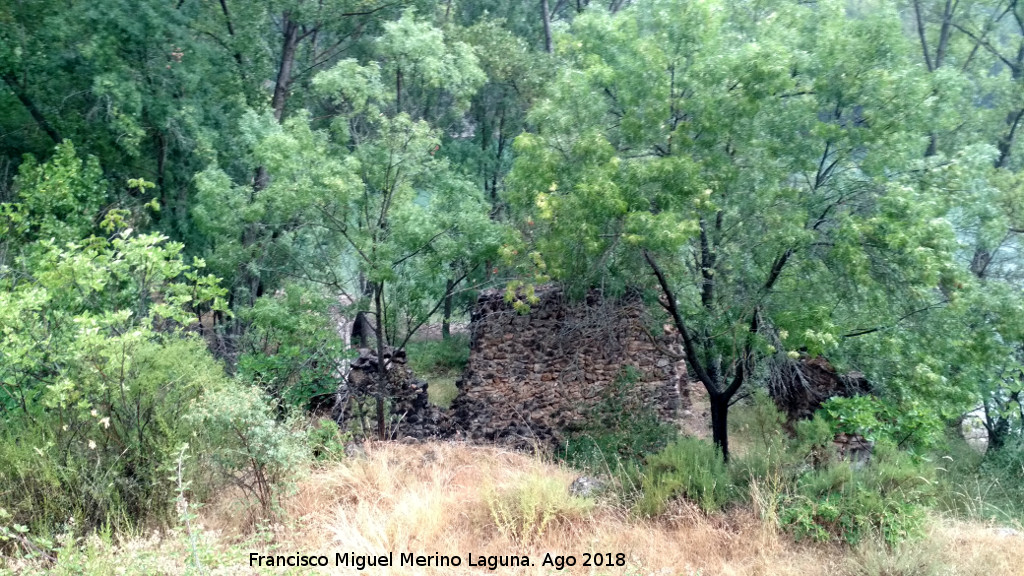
526, 510
440, 363
618, 434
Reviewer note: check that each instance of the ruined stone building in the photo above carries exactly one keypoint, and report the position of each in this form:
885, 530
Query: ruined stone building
532, 376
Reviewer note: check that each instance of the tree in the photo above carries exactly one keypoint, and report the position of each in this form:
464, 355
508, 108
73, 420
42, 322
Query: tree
97, 364
410, 206
756, 167
972, 53
363, 207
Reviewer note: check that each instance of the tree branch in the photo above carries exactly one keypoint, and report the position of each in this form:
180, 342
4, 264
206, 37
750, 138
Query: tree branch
671, 307
32, 110
866, 331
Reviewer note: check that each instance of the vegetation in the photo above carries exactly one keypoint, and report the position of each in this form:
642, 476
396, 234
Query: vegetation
619, 433
440, 362
438, 496
196, 197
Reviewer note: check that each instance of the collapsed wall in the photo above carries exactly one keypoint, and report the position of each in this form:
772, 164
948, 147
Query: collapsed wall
410, 414
531, 377
799, 388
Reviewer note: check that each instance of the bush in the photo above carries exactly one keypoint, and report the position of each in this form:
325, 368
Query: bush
770, 453
528, 509
291, 347
97, 374
620, 431
875, 558
909, 425
439, 356
690, 468
889, 498
244, 445
801, 483
101, 455
326, 440
983, 487
1006, 468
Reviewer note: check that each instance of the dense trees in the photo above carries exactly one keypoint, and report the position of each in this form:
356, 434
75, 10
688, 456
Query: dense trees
779, 178
767, 177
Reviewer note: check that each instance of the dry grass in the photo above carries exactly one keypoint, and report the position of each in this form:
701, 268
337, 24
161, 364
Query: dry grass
439, 498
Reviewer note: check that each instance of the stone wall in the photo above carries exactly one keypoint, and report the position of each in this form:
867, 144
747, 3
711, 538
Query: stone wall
533, 376
410, 413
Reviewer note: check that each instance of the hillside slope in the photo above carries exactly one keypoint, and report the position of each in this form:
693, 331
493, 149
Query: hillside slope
485, 505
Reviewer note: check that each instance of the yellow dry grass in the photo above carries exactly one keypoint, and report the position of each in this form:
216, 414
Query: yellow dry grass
436, 498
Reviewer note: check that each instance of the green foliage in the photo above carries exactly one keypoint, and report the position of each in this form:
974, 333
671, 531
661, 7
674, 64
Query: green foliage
770, 455
816, 495
888, 497
987, 487
440, 363
326, 441
439, 356
97, 373
247, 446
1005, 468
674, 124
291, 347
56, 200
909, 425
619, 432
816, 175
979, 486
689, 468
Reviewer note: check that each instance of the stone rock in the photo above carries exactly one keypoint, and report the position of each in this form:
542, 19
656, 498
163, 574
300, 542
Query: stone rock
799, 388
586, 487
854, 448
411, 416
355, 451
540, 371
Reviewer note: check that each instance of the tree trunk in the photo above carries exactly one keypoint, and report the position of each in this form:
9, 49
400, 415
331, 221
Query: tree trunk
32, 110
362, 331
398, 90
446, 320
720, 423
382, 372
284, 71
548, 47
997, 428
1005, 144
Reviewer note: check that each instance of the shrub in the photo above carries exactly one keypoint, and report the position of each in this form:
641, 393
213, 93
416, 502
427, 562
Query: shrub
1006, 466
889, 498
246, 446
326, 441
690, 468
909, 424
983, 487
526, 510
97, 372
439, 356
875, 558
771, 454
291, 346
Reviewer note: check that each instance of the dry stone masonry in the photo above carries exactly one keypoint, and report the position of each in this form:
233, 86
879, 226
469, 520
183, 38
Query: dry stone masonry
533, 376
411, 414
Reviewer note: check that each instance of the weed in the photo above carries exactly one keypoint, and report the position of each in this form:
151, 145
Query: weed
529, 508
690, 468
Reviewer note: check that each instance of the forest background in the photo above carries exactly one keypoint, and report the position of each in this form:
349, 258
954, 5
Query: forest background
192, 191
